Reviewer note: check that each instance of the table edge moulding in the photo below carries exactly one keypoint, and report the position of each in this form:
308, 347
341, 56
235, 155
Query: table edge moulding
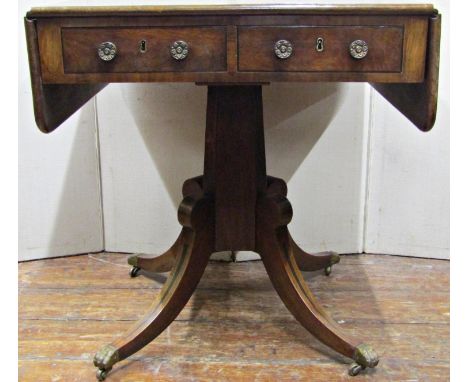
74, 52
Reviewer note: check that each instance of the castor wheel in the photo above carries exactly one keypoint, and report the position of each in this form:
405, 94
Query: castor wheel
104, 360
365, 357
101, 374
134, 272
334, 259
355, 369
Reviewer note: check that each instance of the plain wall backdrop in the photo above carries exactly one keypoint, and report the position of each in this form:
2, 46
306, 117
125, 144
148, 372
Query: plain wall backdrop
360, 176
59, 195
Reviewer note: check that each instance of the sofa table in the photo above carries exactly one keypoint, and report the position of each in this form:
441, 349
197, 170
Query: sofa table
233, 50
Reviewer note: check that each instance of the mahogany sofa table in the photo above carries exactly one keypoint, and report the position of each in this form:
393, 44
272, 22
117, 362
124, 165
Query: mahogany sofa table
75, 51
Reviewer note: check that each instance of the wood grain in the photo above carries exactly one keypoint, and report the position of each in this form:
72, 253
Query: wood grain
226, 9
53, 104
235, 170
384, 55
412, 56
418, 102
207, 49
235, 326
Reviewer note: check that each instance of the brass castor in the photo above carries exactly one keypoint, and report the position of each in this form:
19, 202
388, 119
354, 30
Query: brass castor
104, 360
335, 259
134, 272
101, 374
364, 357
355, 369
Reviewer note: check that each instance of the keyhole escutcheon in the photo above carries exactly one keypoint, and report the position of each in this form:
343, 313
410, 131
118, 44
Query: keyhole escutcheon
320, 44
143, 46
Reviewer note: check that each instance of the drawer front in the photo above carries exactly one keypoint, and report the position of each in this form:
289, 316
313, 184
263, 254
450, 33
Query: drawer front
144, 49
257, 49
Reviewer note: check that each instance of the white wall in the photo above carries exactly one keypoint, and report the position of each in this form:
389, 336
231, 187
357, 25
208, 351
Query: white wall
59, 195
314, 138
408, 205
152, 139
317, 138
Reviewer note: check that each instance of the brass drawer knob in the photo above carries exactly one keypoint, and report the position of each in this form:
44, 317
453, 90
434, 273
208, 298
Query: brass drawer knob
179, 50
358, 49
107, 51
283, 49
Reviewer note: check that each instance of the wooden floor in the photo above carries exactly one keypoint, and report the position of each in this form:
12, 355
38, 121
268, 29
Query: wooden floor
234, 328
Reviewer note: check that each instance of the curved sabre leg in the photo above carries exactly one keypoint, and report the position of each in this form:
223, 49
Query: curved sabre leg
163, 263
306, 261
313, 261
274, 246
197, 244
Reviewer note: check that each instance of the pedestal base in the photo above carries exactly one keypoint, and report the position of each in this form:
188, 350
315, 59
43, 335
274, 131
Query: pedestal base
235, 206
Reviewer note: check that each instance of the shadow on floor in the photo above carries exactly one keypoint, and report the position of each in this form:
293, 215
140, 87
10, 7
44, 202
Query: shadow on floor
243, 292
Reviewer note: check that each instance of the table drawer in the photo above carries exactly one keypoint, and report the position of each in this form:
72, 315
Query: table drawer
144, 49
332, 54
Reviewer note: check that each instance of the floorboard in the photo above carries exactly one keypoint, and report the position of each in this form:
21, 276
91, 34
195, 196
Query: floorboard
235, 327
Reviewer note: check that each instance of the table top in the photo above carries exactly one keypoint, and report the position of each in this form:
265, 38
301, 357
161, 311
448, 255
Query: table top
235, 9
75, 51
